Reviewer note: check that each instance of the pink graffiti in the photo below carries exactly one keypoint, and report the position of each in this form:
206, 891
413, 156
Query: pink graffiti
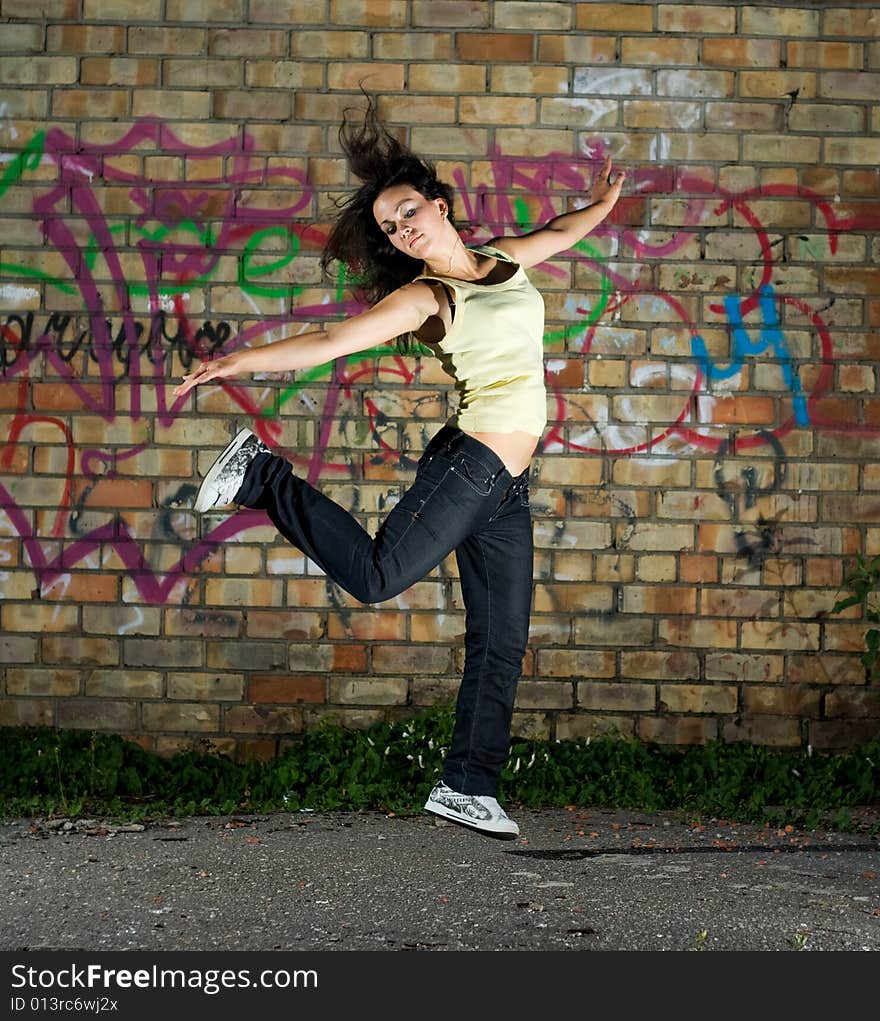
491, 209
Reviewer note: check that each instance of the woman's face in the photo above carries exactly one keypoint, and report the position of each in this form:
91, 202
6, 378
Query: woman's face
412, 223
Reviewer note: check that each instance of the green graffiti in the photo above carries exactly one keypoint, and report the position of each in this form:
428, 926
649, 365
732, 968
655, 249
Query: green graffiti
595, 314
36, 276
248, 270
28, 159
521, 213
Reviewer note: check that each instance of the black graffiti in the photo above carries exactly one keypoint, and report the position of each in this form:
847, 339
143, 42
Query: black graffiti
157, 339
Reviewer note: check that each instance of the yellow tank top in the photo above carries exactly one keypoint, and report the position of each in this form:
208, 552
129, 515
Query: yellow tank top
494, 352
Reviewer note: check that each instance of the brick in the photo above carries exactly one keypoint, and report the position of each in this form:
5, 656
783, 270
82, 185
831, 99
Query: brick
368, 691
201, 10
660, 665
782, 21
406, 659
38, 70
614, 631
759, 148
576, 49
496, 110
777, 84
452, 78
206, 687
381, 625
36, 682
287, 688
288, 12
450, 13
656, 568
766, 731
629, 697
659, 599
574, 727
245, 656
613, 82
852, 703
776, 635
695, 84
832, 55
544, 695
96, 714
695, 19
335, 45
82, 651
654, 51
251, 106
412, 46
172, 104
161, 41
676, 730
162, 652
21, 39
531, 727
708, 634
776, 700
64, 9
17, 649
26, 712
245, 42
697, 698
375, 13
181, 716
350, 719
123, 683
599, 17
575, 663
495, 47
536, 80
262, 720
39, 618
348, 75
119, 620
670, 114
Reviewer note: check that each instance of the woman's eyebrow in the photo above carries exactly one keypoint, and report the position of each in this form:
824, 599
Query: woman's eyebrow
402, 202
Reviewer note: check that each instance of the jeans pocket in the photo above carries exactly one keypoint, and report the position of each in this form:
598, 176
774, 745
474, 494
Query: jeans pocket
473, 472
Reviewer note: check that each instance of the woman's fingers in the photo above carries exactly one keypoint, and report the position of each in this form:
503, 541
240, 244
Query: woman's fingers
202, 374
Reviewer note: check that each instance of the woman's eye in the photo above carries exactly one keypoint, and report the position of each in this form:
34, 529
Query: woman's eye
409, 213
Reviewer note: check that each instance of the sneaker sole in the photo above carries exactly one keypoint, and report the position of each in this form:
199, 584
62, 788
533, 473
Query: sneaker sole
445, 813
217, 467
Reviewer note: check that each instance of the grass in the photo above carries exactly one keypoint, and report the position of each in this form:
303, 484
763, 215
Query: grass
47, 772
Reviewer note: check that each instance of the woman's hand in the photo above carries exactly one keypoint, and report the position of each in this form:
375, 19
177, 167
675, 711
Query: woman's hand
220, 368
603, 190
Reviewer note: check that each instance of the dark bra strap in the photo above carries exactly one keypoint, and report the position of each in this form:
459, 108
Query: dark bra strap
450, 296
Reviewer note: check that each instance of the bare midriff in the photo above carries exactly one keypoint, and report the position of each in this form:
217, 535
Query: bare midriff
515, 449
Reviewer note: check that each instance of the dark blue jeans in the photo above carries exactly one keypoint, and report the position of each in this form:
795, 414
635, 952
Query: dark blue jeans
462, 499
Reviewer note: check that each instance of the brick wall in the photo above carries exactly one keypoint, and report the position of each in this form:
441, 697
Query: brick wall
711, 462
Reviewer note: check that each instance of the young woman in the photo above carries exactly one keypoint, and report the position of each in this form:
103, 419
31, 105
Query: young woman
476, 309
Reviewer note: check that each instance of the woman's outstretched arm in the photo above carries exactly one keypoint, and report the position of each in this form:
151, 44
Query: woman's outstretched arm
402, 311
562, 232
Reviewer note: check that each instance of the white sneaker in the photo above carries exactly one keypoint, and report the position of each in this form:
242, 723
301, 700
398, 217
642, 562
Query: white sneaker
226, 474
477, 811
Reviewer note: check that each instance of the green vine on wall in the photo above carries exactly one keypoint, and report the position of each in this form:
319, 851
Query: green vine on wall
863, 585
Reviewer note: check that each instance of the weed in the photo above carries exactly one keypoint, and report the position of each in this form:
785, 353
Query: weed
863, 585
389, 767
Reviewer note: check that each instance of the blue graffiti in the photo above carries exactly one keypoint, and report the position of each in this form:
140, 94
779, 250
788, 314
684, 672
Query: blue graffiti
770, 336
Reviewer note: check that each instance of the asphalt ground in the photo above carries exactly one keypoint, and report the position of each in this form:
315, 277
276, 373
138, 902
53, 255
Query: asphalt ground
220, 916
574, 880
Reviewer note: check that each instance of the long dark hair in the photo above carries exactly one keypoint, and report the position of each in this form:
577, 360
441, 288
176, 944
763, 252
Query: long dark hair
379, 160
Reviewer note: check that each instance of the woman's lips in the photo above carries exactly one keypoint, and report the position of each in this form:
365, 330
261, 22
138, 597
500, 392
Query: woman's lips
416, 238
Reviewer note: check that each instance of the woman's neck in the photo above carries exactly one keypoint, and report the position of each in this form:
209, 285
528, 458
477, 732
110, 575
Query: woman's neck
460, 263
